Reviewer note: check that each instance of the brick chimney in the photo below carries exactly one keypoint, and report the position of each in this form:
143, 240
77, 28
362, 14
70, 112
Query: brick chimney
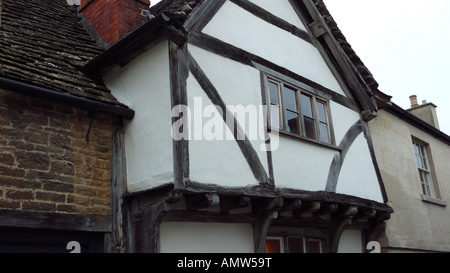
113, 19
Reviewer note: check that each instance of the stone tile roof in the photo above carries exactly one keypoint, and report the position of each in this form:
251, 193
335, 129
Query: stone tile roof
345, 45
43, 43
177, 10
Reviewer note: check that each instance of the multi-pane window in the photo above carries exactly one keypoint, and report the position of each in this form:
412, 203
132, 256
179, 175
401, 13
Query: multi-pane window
291, 244
423, 165
297, 112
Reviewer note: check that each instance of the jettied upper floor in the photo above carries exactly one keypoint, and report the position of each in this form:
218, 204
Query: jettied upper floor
257, 99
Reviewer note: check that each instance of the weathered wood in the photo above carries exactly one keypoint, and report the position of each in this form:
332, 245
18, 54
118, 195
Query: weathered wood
327, 210
201, 201
229, 51
146, 238
338, 160
368, 137
207, 217
120, 223
56, 221
245, 145
272, 19
267, 204
233, 202
178, 86
292, 204
260, 228
308, 209
202, 14
263, 191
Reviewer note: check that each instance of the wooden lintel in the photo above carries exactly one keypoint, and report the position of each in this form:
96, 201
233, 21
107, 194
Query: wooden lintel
262, 204
349, 211
234, 202
316, 29
261, 227
307, 210
201, 201
291, 204
366, 215
327, 210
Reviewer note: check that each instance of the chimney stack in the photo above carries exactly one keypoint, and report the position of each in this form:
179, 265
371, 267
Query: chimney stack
113, 19
426, 111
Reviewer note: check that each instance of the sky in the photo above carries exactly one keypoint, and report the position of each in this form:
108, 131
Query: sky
404, 43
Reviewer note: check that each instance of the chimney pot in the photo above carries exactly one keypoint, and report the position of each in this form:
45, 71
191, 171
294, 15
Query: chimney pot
414, 101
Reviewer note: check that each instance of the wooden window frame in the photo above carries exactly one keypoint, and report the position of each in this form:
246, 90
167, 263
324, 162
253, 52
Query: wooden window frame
315, 98
428, 169
284, 242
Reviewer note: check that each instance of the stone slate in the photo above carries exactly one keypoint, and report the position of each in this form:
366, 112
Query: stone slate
43, 43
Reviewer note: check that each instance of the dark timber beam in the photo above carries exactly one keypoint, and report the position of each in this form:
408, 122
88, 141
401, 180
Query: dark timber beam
245, 145
233, 202
146, 239
202, 201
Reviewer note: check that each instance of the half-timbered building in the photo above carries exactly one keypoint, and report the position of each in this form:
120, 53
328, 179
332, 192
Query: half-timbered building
189, 173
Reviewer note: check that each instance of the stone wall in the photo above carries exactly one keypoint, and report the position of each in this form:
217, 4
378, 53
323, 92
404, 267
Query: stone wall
46, 165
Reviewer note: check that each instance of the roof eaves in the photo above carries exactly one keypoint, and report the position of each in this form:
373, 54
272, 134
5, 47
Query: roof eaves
417, 122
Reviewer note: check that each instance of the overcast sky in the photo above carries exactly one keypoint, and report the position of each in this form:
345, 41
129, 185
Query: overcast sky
404, 43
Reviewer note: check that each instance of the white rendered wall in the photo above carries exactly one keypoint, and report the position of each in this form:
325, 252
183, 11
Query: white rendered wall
218, 162
283, 9
300, 165
144, 85
238, 85
343, 119
358, 176
351, 242
188, 237
240, 28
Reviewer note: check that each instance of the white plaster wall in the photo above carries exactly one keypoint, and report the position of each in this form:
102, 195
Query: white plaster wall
190, 237
240, 28
343, 120
238, 85
351, 242
218, 162
300, 165
358, 176
144, 85
283, 9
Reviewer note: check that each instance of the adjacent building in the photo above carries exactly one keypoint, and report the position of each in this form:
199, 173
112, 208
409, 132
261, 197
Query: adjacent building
413, 157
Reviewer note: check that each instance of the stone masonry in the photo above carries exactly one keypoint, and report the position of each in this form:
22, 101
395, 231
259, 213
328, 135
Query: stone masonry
46, 165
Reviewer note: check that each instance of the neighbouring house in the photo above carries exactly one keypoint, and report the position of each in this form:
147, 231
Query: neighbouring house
202, 126
413, 157
55, 132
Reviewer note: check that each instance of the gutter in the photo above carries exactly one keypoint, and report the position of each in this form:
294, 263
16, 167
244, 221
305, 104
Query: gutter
77, 101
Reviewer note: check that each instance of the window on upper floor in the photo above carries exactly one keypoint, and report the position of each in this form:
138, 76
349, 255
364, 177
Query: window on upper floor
421, 153
298, 112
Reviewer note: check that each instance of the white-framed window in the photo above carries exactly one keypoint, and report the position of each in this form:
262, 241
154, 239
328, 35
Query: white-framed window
421, 153
298, 112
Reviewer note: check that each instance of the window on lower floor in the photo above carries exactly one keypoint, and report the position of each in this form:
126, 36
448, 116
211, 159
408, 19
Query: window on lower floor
291, 244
